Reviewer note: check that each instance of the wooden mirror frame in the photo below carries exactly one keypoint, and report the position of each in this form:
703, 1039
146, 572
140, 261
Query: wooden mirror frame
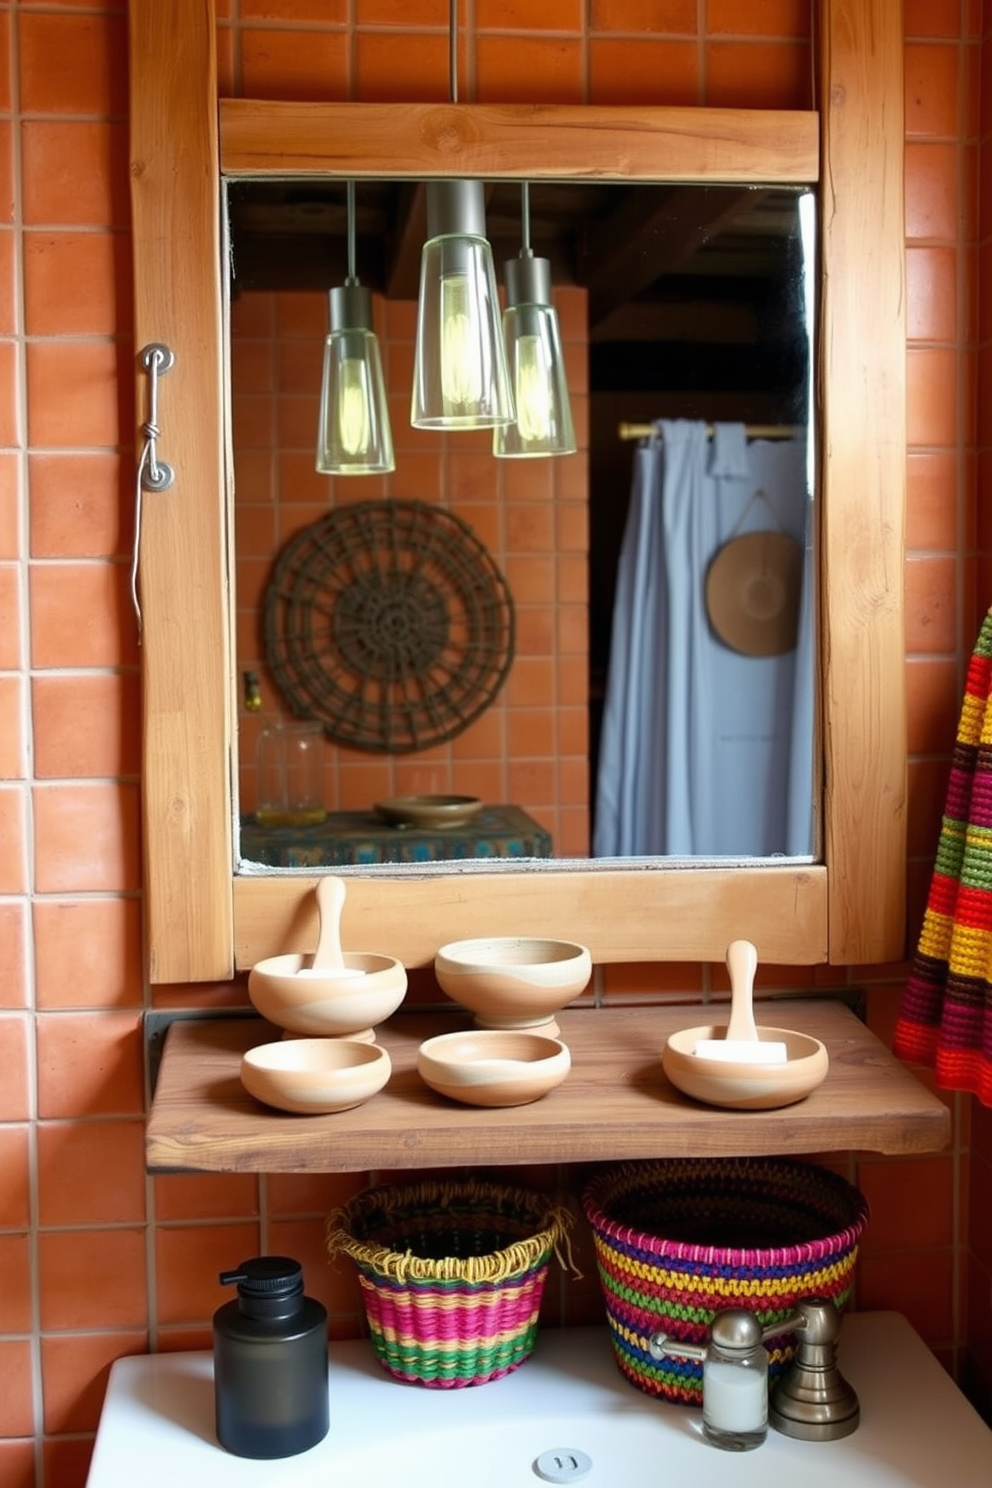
203, 920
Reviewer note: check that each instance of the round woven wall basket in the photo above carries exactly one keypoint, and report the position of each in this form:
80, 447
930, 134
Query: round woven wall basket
390, 623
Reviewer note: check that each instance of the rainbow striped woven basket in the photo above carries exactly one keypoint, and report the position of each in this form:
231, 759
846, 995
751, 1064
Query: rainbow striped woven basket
678, 1241
451, 1275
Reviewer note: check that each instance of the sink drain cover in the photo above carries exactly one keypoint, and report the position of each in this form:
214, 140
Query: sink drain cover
563, 1465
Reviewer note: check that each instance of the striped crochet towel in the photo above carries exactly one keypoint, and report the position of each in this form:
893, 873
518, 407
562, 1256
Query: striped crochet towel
946, 1015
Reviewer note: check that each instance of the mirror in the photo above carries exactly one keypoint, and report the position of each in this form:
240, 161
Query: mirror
848, 907
679, 301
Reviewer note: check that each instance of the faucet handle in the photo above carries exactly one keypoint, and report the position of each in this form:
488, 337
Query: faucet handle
735, 1328
661, 1346
789, 1324
816, 1319
733, 1331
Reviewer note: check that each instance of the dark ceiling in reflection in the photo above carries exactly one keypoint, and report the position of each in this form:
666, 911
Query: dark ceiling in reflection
696, 267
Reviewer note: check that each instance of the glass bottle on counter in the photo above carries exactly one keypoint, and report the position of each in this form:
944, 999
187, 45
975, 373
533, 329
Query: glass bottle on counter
290, 769
735, 1383
735, 1377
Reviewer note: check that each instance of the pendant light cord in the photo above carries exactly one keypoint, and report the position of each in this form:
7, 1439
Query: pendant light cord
352, 276
526, 251
453, 50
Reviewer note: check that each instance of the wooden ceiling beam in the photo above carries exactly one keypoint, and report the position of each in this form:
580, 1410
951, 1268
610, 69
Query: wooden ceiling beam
651, 234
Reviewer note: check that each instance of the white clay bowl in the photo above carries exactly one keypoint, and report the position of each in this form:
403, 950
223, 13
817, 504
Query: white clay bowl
738, 1084
310, 1077
514, 981
493, 1067
327, 1005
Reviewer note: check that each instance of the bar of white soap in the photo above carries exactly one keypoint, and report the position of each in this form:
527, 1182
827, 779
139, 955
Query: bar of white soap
741, 1051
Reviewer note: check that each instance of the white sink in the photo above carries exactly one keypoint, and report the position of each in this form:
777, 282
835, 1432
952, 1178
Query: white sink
566, 1412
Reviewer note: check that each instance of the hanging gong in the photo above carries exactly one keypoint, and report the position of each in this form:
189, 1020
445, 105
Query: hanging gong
752, 593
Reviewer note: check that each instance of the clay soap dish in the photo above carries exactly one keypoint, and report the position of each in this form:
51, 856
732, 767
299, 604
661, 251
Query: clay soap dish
741, 1065
493, 1067
744, 1085
310, 1077
329, 994
514, 981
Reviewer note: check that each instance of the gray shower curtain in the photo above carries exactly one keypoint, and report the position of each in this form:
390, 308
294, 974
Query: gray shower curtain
704, 752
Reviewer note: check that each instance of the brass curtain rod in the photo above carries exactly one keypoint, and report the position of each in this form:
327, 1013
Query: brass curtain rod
753, 431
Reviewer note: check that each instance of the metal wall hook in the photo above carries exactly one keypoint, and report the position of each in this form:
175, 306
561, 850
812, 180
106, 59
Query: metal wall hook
152, 474
156, 475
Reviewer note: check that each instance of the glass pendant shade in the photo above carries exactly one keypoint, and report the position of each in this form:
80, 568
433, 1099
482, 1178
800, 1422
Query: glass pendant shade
353, 435
460, 378
543, 424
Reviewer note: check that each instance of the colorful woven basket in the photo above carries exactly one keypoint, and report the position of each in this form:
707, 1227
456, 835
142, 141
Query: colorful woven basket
451, 1275
679, 1240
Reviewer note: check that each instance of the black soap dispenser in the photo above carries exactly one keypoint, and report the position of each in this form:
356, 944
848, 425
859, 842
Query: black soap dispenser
270, 1362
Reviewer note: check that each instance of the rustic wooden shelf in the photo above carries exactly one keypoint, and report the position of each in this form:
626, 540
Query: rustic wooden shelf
616, 1103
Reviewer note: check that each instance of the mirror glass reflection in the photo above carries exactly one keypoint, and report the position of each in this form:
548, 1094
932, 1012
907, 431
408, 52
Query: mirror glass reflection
685, 315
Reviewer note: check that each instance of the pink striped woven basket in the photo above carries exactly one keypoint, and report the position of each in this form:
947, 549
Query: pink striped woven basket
451, 1275
678, 1241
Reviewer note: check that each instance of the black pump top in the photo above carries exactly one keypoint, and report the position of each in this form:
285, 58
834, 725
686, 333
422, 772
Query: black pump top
267, 1285
263, 1275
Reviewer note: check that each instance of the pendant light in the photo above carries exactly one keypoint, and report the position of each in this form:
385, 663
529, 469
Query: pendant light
460, 378
353, 437
543, 424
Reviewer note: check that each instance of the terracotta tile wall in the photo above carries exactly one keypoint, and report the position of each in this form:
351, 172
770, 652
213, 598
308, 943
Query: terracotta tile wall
99, 1260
